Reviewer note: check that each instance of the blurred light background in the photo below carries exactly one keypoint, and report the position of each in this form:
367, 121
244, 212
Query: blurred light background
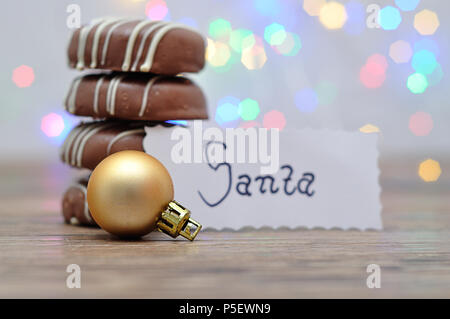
375, 66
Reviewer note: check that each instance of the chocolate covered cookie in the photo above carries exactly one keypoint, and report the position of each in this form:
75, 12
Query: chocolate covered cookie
89, 143
135, 96
74, 205
131, 45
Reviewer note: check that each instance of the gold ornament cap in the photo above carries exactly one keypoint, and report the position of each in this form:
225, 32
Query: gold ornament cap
175, 220
130, 193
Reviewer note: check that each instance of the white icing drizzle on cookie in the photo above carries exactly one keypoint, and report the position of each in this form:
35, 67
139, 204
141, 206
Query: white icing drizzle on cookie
80, 142
68, 142
111, 95
112, 81
108, 93
108, 37
84, 32
112, 89
143, 41
97, 93
77, 140
130, 44
83, 189
68, 94
146, 94
148, 62
86, 138
73, 95
121, 135
73, 147
115, 23
70, 139
96, 40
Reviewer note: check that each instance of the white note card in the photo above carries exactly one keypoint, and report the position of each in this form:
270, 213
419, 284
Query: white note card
291, 178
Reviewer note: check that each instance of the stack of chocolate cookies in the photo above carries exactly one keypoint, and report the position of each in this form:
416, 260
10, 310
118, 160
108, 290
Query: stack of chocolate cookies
141, 87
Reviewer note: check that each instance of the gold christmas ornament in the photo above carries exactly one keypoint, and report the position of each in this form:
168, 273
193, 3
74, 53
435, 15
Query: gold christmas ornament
130, 193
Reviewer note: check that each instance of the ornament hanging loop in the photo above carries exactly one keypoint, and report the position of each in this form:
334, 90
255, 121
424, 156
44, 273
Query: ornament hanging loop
175, 220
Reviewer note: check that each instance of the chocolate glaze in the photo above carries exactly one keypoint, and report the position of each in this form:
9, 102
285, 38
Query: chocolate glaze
89, 143
177, 48
136, 96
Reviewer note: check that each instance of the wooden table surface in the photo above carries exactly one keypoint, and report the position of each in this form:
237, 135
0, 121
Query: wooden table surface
36, 246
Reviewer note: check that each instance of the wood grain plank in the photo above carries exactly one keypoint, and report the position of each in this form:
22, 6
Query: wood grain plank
36, 247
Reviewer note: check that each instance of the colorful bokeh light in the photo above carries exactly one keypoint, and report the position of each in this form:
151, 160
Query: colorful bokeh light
274, 119
291, 45
377, 60
23, 76
52, 125
417, 83
356, 18
275, 34
371, 79
427, 44
407, 5
424, 62
389, 18
400, 51
426, 22
333, 15
306, 100
178, 122
227, 112
241, 39
312, 7
420, 124
267, 7
254, 58
220, 29
373, 73
369, 128
435, 77
248, 109
430, 170
156, 10
217, 53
